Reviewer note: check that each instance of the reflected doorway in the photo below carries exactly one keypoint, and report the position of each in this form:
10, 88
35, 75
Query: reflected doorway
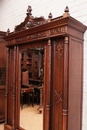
31, 90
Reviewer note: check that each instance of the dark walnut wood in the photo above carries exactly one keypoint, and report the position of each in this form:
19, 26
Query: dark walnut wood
62, 40
2, 76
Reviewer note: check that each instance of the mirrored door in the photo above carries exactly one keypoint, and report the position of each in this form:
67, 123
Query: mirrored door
31, 88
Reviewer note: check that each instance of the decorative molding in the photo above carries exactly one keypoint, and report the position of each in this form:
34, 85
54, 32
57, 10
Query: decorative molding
58, 30
66, 40
48, 33
65, 112
57, 97
48, 107
30, 21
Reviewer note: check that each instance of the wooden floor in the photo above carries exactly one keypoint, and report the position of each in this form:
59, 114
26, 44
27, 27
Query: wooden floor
2, 126
31, 119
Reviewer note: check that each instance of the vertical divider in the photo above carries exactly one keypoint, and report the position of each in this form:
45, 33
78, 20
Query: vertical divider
6, 92
14, 86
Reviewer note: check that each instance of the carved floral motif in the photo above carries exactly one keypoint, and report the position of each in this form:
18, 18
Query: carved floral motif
59, 49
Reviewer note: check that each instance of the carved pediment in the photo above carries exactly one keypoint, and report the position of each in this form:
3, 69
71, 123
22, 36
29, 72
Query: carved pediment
30, 21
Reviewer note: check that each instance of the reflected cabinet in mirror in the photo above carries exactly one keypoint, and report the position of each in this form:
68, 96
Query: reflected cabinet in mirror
44, 74
32, 86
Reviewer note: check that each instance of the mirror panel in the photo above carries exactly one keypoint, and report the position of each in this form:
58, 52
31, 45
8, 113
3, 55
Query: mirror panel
31, 90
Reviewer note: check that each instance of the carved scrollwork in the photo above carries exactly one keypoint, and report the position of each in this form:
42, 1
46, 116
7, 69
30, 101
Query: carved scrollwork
57, 97
30, 21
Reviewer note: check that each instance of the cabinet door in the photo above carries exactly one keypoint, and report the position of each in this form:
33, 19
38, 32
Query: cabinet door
57, 84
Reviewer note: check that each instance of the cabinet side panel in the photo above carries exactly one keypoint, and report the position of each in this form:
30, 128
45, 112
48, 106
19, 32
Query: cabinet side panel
75, 84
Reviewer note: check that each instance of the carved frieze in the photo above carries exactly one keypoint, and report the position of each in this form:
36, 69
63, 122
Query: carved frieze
58, 30
48, 33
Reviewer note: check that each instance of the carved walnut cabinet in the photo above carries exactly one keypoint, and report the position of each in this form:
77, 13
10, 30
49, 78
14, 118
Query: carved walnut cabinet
2, 75
62, 39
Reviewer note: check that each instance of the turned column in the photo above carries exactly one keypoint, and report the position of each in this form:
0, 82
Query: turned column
65, 91
47, 84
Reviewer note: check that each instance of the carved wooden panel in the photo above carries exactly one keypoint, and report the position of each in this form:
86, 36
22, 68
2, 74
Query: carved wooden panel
57, 94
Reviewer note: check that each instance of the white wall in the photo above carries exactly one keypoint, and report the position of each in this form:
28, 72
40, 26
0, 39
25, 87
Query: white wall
13, 12
0, 14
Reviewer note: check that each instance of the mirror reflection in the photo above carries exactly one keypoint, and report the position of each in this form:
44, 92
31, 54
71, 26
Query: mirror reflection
31, 91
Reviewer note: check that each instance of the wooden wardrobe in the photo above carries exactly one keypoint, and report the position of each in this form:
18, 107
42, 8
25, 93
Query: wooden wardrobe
62, 39
2, 75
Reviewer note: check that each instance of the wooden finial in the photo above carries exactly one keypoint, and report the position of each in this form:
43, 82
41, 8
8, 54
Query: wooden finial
29, 10
49, 17
66, 9
8, 31
66, 14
